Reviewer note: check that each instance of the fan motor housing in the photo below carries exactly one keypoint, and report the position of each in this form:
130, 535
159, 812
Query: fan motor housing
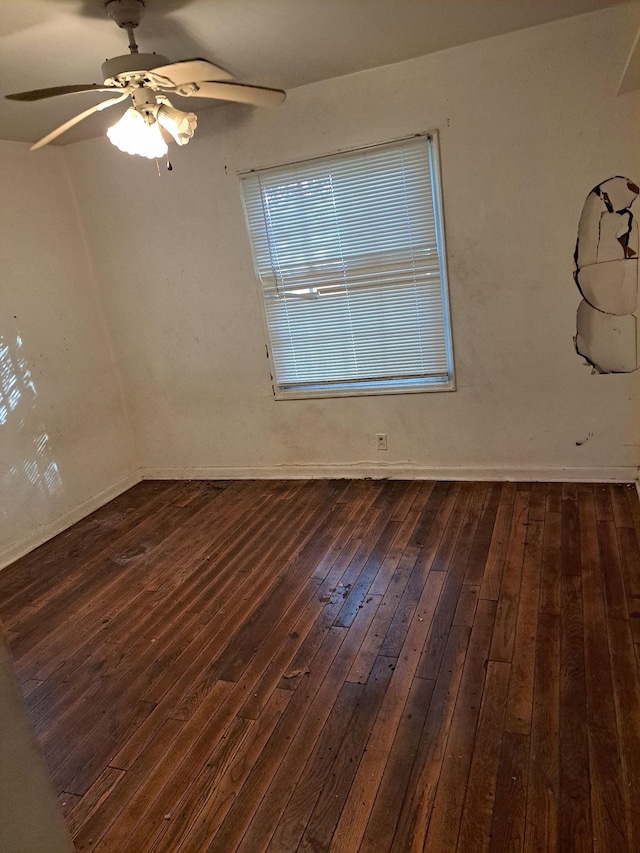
131, 65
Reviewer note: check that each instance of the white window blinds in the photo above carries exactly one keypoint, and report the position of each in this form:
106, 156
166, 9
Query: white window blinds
348, 250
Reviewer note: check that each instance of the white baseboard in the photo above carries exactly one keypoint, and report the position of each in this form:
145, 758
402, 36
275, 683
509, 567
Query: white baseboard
48, 531
398, 471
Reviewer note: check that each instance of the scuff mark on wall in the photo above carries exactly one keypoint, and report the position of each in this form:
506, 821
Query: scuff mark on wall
606, 273
584, 440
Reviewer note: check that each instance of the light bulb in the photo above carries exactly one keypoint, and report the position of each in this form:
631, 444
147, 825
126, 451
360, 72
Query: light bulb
133, 135
180, 125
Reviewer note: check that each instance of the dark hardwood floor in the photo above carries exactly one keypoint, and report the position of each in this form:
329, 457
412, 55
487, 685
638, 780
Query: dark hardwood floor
348, 666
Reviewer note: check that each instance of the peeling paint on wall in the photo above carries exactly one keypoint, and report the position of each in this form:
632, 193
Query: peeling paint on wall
606, 272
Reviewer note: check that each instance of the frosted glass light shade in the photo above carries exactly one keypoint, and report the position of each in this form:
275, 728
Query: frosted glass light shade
133, 135
179, 124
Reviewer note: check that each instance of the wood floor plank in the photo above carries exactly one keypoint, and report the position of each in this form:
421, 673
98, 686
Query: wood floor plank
305, 715
538, 502
507, 613
634, 507
311, 784
87, 719
358, 590
290, 661
67, 802
233, 643
91, 830
80, 639
288, 630
550, 579
329, 807
483, 536
619, 502
444, 823
402, 543
604, 508
76, 634
390, 581
158, 666
463, 493
508, 822
570, 538
554, 497
494, 565
80, 669
607, 798
414, 816
170, 702
250, 831
575, 826
132, 548
520, 701
92, 800
344, 550
480, 791
508, 494
613, 581
37, 575
626, 687
355, 815
186, 834
455, 574
380, 828
466, 607
415, 496
630, 564
198, 750
28, 687
191, 737
544, 783
348, 666
80, 776
427, 536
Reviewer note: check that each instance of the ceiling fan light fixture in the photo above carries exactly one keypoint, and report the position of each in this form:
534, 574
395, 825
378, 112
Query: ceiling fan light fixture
152, 121
134, 135
179, 124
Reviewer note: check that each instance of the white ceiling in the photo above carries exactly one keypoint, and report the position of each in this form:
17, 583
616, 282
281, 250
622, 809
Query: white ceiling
281, 43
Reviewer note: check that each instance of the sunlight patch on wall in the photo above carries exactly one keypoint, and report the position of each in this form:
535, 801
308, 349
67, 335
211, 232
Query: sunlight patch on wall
17, 405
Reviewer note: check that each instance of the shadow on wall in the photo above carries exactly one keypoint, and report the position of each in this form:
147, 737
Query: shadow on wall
606, 272
17, 408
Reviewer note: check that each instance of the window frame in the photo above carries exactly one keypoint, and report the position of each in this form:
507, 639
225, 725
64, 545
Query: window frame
374, 387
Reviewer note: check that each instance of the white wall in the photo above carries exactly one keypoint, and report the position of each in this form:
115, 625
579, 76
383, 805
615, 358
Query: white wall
529, 123
30, 818
65, 441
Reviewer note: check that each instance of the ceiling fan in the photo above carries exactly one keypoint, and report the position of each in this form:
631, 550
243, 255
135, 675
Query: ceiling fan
147, 79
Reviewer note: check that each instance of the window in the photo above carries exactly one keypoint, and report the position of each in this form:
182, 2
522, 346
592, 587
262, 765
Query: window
350, 257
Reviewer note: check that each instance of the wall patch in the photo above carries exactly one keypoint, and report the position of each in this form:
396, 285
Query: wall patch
606, 272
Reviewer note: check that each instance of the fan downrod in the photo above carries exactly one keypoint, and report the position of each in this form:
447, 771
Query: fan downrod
127, 14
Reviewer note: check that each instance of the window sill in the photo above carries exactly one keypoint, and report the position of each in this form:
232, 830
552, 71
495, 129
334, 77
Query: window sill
365, 389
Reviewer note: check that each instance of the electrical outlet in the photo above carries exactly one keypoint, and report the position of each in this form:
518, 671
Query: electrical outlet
381, 441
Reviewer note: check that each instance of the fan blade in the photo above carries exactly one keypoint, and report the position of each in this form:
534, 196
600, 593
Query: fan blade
38, 94
80, 117
190, 71
258, 96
